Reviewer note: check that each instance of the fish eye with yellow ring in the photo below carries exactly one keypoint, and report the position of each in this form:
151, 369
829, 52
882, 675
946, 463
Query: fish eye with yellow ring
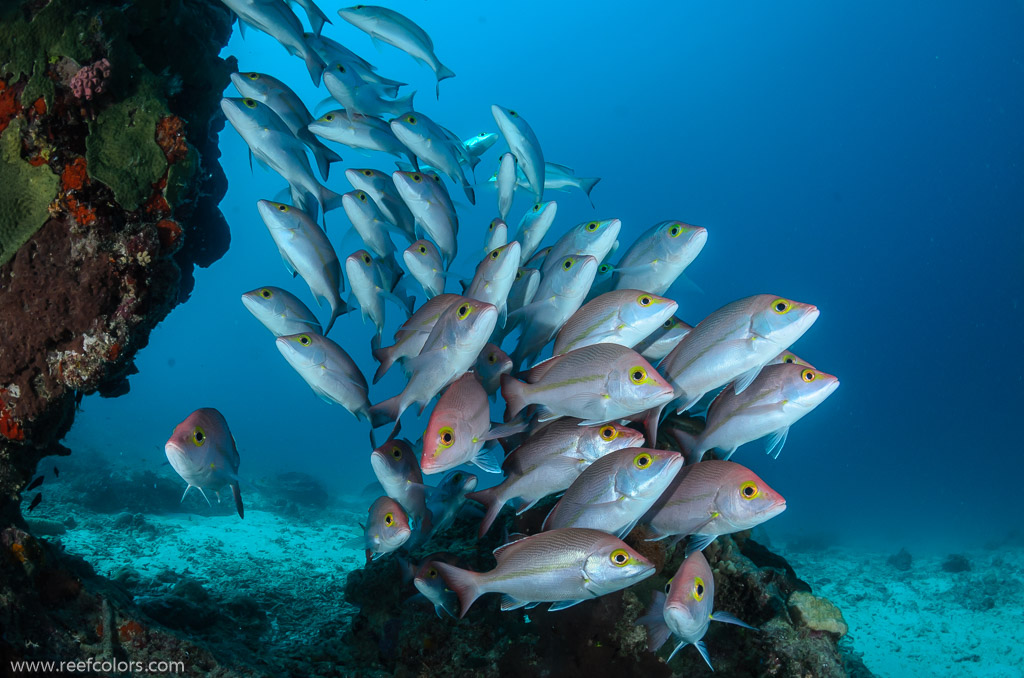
282, 208
808, 375
341, 69
423, 249
253, 76
389, 519
668, 585
367, 173
304, 339
366, 258
519, 274
396, 452
567, 264
495, 254
644, 300
789, 359
361, 196
198, 436
619, 558
642, 460
432, 573
536, 207
513, 114
411, 119
749, 490
669, 323
592, 226
698, 588
492, 358
329, 117
463, 311
781, 306
446, 437
417, 178
251, 103
674, 230
608, 433
265, 293
638, 375
605, 268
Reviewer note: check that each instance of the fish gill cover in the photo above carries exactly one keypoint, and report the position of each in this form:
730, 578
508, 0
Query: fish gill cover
650, 368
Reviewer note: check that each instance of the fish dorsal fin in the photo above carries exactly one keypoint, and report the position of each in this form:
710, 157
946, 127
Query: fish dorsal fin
537, 372
501, 549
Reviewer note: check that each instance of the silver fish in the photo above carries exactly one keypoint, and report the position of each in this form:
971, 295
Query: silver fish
449, 497
479, 144
659, 256
277, 20
622, 317
316, 16
412, 335
332, 51
356, 95
428, 200
381, 188
594, 238
424, 262
280, 311
524, 288
328, 369
431, 143
497, 234
366, 279
494, 276
202, 451
429, 582
534, 226
368, 221
661, 341
789, 358
458, 431
558, 178
490, 365
357, 131
506, 184
387, 528
524, 144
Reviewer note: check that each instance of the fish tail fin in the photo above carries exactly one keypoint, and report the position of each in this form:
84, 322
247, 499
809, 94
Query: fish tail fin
514, 393
470, 195
314, 64
689, 445
324, 157
465, 583
383, 355
406, 102
443, 73
329, 200
237, 494
492, 501
386, 411
587, 184
651, 424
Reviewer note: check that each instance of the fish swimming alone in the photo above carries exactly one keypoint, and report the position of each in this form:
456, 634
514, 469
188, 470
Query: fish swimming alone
202, 451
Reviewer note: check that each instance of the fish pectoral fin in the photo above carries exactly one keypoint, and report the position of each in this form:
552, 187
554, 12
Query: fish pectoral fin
621, 534
204, 496
729, 618
510, 603
699, 542
773, 443
489, 458
562, 604
745, 379
702, 648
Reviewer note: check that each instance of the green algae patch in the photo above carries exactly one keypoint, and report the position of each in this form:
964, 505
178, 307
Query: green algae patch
121, 149
25, 194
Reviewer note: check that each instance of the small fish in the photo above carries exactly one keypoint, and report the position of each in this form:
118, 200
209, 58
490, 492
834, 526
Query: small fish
448, 498
424, 263
431, 206
332, 52
598, 383
622, 317
202, 451
366, 278
659, 256
410, 337
306, 251
328, 369
494, 276
497, 234
35, 501
381, 188
685, 608
400, 31
357, 95
593, 238
458, 431
369, 223
661, 341
524, 145
710, 499
399, 474
506, 184
357, 131
280, 311
387, 528
565, 566
604, 281
558, 178
289, 107
548, 463
479, 144
429, 142
34, 484
779, 397
534, 226
432, 585
490, 365
277, 20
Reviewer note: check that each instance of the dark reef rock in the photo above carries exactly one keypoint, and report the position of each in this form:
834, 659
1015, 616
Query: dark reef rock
956, 563
901, 561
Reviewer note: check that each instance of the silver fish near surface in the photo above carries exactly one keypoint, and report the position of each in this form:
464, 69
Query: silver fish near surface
685, 609
280, 311
524, 145
659, 256
202, 451
306, 251
431, 206
564, 567
328, 369
379, 186
614, 492
622, 317
277, 20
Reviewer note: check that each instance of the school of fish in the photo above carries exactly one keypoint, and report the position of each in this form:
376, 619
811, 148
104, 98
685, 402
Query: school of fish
583, 423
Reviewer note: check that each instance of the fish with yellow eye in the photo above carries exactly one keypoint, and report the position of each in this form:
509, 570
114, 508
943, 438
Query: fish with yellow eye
424, 263
564, 567
328, 369
398, 472
271, 142
387, 529
591, 238
560, 294
534, 225
358, 131
431, 584
448, 497
538, 258
479, 144
381, 188
280, 311
459, 430
371, 225
490, 365
506, 184
413, 333
790, 358
434, 145
431, 206
357, 95
524, 289
367, 278
661, 341
449, 351
493, 278
614, 492
523, 143
779, 397
202, 451
604, 282
277, 20
732, 344
306, 252
684, 609
548, 462
710, 499
332, 51
497, 234
289, 107
597, 383
623, 317
659, 256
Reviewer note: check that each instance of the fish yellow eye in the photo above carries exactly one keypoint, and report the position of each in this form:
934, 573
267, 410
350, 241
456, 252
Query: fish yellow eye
642, 460
411, 119
366, 259
253, 76
637, 375
808, 375
396, 452
674, 231
519, 274
198, 436
493, 222
592, 226
417, 178
493, 358
619, 558
389, 519
513, 114
644, 300
304, 340
367, 173
446, 437
265, 293
748, 490
698, 588
781, 306
341, 69
605, 268
668, 324
463, 311
282, 208
788, 359
567, 264
423, 249
536, 208
361, 196
668, 586
432, 573
608, 433
329, 117
251, 103
495, 254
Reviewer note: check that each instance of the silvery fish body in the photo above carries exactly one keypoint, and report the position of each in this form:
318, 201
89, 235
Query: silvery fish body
490, 365
368, 221
429, 202
659, 256
558, 178
524, 144
328, 369
277, 20
332, 51
479, 144
594, 238
622, 317
506, 184
429, 582
356, 95
367, 281
425, 264
497, 234
494, 276
412, 335
457, 430
202, 451
357, 131
534, 226
661, 341
387, 528
280, 311
399, 474
449, 497
305, 249
430, 143
381, 188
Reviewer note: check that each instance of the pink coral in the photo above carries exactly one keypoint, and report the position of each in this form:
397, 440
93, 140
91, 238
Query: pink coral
91, 80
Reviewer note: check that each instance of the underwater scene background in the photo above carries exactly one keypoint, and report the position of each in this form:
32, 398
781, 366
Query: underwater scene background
864, 157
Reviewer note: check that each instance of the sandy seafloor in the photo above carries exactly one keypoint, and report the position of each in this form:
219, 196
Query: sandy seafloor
290, 559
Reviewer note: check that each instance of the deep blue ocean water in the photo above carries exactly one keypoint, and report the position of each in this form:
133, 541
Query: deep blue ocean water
865, 157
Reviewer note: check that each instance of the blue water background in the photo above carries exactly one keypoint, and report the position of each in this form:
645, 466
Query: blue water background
861, 156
